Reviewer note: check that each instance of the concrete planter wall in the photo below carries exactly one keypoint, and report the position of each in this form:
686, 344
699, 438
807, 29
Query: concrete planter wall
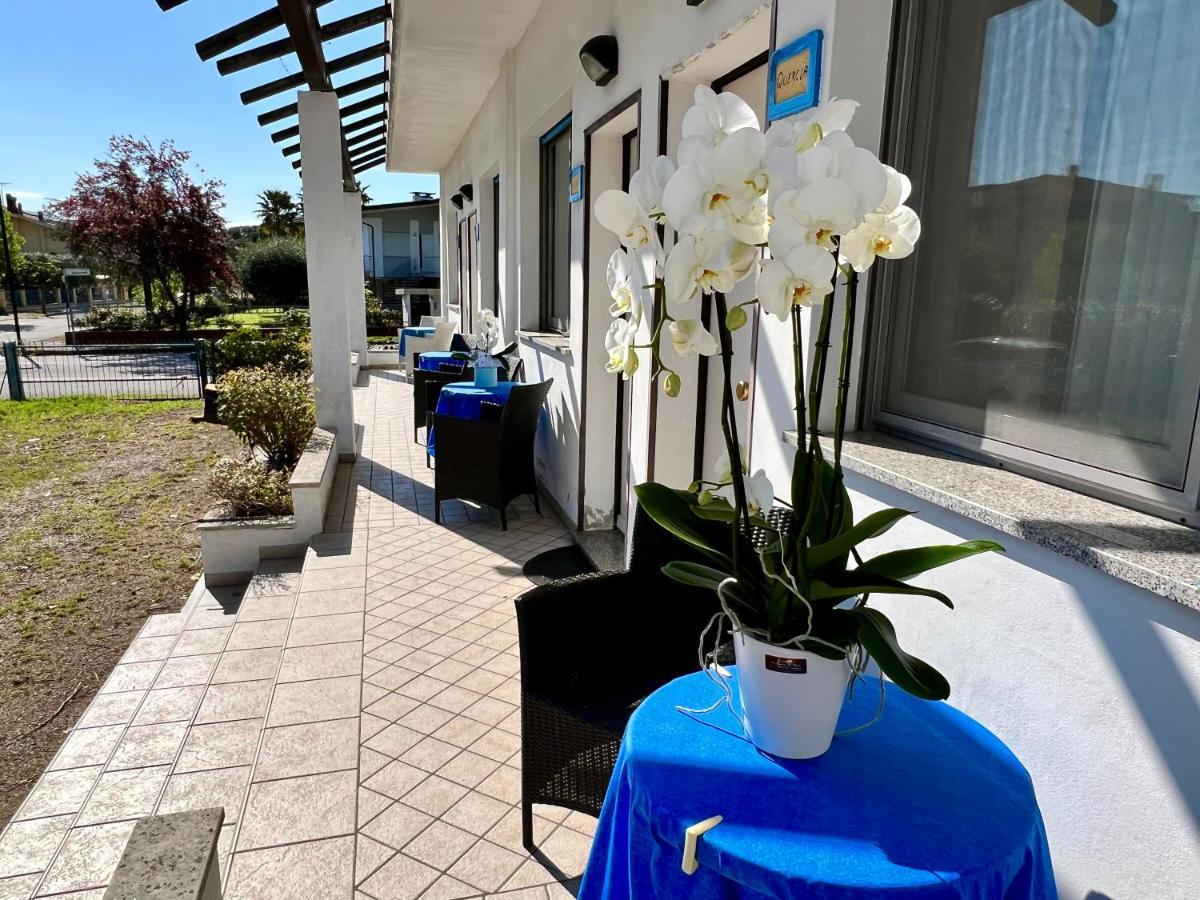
230, 549
382, 359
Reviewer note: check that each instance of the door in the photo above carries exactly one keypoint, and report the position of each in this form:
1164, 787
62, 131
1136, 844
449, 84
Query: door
629, 165
464, 266
472, 294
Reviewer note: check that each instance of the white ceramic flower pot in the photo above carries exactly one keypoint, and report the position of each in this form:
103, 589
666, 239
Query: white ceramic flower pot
485, 376
790, 698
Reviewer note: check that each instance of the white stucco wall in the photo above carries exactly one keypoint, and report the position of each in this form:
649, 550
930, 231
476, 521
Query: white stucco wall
1095, 684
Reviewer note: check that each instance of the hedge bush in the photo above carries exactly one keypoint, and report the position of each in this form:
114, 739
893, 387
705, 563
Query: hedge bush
271, 411
275, 271
289, 351
250, 488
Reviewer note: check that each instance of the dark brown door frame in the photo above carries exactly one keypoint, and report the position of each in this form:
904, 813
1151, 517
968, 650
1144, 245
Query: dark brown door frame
633, 99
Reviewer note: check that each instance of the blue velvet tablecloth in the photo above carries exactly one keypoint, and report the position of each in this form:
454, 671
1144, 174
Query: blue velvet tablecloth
412, 331
463, 400
431, 359
926, 803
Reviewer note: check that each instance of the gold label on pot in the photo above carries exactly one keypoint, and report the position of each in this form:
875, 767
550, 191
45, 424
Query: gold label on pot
786, 665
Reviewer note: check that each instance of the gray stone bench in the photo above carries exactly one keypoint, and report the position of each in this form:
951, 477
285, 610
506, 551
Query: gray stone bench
171, 857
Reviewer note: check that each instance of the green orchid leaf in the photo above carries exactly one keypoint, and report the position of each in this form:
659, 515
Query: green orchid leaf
715, 513
901, 564
841, 585
872, 526
695, 574
672, 510
914, 675
818, 513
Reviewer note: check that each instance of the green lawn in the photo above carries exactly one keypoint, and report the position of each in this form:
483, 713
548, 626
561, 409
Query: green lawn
100, 499
264, 317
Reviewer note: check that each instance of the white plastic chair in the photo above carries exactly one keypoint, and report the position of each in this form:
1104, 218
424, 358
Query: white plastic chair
440, 340
429, 321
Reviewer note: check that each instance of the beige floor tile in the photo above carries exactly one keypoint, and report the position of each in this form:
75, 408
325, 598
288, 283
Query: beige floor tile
203, 790
369, 856
298, 809
434, 795
219, 746
234, 700
397, 825
314, 869
176, 704
148, 745
333, 579
476, 812
395, 779
263, 608
329, 629
329, 602
111, 709
247, 665
120, 796
440, 845
257, 634
134, 676
186, 670
314, 701
147, 649
400, 878
307, 749
87, 858
29, 846
200, 641
486, 866
87, 747
325, 661
59, 793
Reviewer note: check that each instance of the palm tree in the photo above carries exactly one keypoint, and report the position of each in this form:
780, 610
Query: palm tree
281, 215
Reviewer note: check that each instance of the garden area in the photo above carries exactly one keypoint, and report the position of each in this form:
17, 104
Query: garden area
100, 501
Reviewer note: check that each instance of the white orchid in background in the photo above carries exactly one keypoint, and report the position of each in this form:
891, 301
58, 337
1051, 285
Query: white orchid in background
890, 235
689, 338
800, 277
760, 493
620, 342
646, 186
706, 262
724, 470
621, 286
710, 120
805, 130
623, 216
726, 189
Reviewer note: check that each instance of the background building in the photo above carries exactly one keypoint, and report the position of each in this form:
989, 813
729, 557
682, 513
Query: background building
402, 254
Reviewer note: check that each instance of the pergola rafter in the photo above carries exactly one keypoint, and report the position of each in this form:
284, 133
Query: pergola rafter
305, 39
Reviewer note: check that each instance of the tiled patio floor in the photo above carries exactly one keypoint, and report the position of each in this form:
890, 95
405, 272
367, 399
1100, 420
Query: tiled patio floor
356, 713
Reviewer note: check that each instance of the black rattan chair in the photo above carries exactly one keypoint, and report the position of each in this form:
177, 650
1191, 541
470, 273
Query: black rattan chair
640, 630
420, 379
490, 462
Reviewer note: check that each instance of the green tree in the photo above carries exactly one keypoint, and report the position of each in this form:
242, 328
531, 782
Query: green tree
280, 213
274, 271
15, 243
40, 270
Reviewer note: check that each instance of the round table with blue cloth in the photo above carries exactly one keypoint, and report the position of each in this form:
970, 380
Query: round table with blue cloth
926, 803
463, 400
412, 331
431, 360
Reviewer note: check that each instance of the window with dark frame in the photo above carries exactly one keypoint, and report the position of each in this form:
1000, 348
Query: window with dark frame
1049, 314
496, 244
555, 220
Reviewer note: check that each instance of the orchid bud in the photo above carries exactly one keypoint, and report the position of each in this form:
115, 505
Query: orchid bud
705, 498
693, 487
672, 384
735, 318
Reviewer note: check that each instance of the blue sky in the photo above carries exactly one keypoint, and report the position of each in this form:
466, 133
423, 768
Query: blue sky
79, 71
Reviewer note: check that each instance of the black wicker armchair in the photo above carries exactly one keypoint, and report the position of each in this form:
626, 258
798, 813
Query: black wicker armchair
420, 379
490, 462
592, 648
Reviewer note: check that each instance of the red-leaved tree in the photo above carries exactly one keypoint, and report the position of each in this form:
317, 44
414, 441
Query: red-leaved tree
141, 213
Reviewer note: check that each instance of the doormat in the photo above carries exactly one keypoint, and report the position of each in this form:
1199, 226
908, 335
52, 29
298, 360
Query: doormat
561, 562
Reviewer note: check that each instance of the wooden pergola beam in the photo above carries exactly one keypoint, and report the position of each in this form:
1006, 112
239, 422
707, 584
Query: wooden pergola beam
369, 164
349, 61
292, 130
354, 87
275, 49
243, 31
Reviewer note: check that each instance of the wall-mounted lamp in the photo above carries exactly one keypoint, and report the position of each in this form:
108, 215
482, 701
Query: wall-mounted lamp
599, 58
468, 192
457, 200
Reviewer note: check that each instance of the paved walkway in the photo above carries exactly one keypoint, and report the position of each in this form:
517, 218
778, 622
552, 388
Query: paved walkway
356, 712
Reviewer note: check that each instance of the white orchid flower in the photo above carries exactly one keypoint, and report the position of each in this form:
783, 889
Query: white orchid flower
813, 215
724, 471
725, 190
624, 217
811, 126
800, 278
760, 493
646, 186
898, 189
710, 120
621, 286
619, 343
689, 338
706, 262
892, 236
836, 157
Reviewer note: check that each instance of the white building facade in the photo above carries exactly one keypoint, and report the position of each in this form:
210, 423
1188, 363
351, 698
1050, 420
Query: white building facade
1042, 329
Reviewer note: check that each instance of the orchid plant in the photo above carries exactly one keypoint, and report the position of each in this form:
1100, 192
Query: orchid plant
787, 572
483, 341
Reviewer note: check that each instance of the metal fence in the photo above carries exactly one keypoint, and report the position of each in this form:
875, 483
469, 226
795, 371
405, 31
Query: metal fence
120, 372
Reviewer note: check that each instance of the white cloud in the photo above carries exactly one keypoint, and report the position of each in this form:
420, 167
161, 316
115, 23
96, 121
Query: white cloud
27, 195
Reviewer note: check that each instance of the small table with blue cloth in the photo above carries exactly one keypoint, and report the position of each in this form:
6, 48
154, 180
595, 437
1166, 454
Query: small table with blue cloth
431, 360
421, 331
463, 400
926, 803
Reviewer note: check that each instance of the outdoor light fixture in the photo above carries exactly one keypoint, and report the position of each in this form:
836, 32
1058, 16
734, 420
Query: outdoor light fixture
599, 58
457, 200
468, 192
